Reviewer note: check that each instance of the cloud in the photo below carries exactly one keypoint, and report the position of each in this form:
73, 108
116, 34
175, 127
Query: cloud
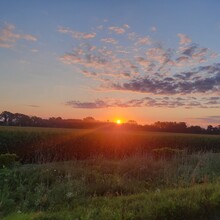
109, 40
96, 104
34, 106
159, 55
89, 35
134, 63
153, 72
117, 30
170, 85
101, 61
143, 41
34, 50
76, 34
8, 36
4, 45
153, 29
132, 36
184, 39
28, 37
165, 101
126, 26
210, 119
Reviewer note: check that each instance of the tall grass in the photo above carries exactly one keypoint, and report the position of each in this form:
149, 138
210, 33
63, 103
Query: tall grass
95, 174
198, 202
47, 145
68, 185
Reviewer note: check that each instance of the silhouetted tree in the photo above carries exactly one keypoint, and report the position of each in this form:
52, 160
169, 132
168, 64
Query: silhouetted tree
132, 122
89, 119
18, 119
196, 129
6, 117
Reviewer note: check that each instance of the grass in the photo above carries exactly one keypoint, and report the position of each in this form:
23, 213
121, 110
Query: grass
98, 187
197, 202
96, 174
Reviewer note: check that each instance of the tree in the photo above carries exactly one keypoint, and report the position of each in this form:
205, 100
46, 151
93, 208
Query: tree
209, 129
6, 117
132, 122
89, 119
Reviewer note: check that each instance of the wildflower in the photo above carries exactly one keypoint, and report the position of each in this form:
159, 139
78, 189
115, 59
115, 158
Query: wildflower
69, 195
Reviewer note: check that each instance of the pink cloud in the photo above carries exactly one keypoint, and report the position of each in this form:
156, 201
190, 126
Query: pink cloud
117, 30
153, 101
184, 39
109, 40
135, 67
8, 37
126, 26
6, 45
143, 41
153, 29
76, 34
143, 62
89, 35
34, 50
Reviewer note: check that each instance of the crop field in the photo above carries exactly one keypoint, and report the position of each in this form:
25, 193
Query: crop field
51, 144
108, 174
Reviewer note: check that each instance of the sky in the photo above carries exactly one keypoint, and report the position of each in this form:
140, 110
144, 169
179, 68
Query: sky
143, 60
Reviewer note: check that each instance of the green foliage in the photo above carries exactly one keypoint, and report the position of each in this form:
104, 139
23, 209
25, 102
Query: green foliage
109, 175
43, 145
95, 186
7, 160
166, 153
197, 202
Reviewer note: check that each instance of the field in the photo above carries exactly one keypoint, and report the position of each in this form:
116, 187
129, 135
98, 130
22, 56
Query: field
46, 144
101, 174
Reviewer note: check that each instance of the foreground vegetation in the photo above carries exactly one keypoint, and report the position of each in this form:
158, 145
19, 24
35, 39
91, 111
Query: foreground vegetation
58, 174
139, 187
201, 202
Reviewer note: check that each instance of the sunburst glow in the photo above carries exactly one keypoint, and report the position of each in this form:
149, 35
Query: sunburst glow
118, 121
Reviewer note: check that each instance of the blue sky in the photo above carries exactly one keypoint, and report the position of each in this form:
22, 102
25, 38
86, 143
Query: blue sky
140, 60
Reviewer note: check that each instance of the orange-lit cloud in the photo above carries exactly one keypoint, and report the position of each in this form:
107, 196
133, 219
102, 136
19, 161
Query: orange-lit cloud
117, 30
8, 36
134, 63
76, 34
184, 39
4, 45
165, 102
109, 40
143, 41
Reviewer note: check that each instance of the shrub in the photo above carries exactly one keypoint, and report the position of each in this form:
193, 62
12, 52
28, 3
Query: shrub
7, 160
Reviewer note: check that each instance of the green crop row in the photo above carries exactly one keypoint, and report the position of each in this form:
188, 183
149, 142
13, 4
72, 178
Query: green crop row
46, 145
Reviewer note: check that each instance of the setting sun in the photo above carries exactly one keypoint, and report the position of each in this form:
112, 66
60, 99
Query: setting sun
118, 121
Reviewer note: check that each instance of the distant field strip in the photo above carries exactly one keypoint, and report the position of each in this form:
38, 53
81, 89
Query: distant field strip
49, 144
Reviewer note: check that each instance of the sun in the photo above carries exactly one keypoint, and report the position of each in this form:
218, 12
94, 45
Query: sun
118, 121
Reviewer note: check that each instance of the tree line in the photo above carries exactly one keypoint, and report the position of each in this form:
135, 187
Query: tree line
18, 119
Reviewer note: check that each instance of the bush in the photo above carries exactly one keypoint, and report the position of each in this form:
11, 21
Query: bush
7, 160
